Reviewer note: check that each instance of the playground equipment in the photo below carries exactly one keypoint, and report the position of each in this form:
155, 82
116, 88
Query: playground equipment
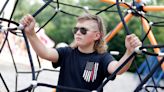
136, 8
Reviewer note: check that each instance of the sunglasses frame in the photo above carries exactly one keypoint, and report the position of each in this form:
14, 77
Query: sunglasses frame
83, 30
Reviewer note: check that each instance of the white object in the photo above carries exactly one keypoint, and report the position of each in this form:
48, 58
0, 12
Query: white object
137, 50
62, 44
114, 52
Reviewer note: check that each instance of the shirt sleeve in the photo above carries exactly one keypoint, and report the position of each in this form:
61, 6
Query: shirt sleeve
62, 53
107, 58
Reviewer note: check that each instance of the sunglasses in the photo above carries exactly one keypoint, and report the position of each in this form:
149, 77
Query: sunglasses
82, 30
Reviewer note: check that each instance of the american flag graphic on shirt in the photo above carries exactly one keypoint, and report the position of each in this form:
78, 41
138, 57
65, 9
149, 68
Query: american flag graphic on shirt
90, 72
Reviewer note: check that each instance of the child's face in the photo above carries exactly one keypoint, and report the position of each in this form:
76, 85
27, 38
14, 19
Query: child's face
86, 33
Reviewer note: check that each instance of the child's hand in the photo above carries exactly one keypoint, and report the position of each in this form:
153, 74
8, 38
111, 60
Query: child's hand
131, 42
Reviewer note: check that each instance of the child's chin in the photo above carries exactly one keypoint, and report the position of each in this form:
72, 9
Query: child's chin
79, 44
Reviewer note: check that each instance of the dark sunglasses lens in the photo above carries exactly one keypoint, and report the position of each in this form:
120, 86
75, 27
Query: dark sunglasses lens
83, 31
75, 30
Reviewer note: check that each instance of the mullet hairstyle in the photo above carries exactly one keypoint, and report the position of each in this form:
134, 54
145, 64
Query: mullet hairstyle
100, 45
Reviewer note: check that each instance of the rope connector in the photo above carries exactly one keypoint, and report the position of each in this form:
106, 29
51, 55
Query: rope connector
123, 1
134, 7
20, 27
4, 29
34, 83
141, 12
86, 8
144, 86
161, 54
114, 52
41, 69
129, 11
57, 9
137, 50
151, 23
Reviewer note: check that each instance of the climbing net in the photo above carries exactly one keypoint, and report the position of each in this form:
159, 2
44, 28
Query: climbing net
136, 8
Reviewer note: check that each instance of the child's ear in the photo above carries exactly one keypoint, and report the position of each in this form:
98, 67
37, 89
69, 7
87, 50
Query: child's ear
98, 35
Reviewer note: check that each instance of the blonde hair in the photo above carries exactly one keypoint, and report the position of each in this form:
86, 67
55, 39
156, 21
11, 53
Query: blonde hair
99, 46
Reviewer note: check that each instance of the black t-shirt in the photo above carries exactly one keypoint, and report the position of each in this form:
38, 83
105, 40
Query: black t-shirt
80, 70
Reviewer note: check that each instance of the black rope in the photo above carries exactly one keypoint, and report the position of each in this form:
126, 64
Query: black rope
75, 6
149, 69
43, 7
26, 89
4, 83
139, 87
105, 9
29, 88
156, 86
28, 47
47, 22
158, 24
13, 22
146, 35
138, 73
16, 2
149, 53
16, 70
111, 77
26, 42
6, 40
149, 15
68, 13
37, 71
80, 7
142, 48
62, 11
121, 17
133, 54
29, 55
63, 87
11, 53
152, 46
4, 6
3, 44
